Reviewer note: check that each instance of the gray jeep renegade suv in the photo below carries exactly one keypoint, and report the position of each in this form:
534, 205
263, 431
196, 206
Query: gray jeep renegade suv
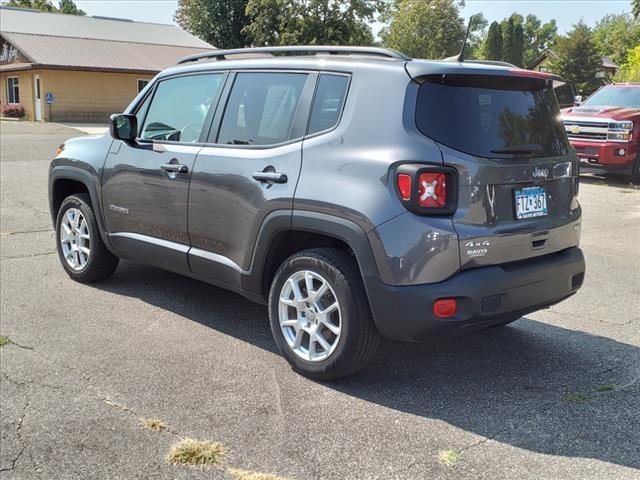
355, 191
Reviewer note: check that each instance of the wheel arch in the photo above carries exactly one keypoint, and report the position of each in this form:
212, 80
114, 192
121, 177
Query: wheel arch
285, 233
65, 180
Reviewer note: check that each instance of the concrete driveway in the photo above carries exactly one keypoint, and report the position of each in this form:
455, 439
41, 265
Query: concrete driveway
555, 395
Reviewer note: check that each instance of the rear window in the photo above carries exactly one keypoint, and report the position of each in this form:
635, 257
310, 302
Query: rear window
490, 116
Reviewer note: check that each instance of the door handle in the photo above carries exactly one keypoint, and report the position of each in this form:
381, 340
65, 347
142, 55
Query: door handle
270, 177
174, 168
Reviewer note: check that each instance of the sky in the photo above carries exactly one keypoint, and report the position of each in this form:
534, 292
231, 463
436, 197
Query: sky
566, 12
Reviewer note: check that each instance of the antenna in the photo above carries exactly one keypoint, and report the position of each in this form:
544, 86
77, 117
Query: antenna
466, 36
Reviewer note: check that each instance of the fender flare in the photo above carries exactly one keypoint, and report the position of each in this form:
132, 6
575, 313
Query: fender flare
300, 220
89, 179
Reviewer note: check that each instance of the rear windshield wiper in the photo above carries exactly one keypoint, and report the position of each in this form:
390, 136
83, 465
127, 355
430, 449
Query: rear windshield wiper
529, 148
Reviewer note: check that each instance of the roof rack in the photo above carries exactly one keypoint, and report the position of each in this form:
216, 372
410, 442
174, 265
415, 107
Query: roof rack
302, 49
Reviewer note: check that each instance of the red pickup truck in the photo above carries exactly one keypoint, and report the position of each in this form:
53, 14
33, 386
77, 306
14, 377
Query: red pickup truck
605, 130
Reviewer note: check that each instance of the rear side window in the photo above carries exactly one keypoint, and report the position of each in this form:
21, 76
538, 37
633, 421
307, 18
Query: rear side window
328, 102
261, 108
179, 108
499, 117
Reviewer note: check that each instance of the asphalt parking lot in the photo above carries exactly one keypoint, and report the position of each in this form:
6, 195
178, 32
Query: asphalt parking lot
554, 395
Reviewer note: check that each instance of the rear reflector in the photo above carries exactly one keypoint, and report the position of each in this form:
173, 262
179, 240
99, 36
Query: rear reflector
445, 307
432, 190
404, 186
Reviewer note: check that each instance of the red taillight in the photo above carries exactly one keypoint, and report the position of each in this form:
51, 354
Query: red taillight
432, 190
404, 186
445, 307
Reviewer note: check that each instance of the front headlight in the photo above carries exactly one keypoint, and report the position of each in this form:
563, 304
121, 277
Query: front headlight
620, 131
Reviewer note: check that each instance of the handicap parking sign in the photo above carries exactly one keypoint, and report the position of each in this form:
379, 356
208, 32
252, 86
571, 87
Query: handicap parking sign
49, 98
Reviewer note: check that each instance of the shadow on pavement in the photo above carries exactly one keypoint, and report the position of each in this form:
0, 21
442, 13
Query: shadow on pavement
509, 384
610, 179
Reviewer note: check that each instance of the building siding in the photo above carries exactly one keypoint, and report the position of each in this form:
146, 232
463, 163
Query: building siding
25, 81
78, 96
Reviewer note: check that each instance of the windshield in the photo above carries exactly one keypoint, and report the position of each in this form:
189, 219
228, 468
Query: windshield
618, 96
498, 117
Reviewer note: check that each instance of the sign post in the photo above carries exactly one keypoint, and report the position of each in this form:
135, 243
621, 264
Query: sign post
50, 100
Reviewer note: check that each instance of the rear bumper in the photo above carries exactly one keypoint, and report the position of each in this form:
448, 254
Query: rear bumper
485, 296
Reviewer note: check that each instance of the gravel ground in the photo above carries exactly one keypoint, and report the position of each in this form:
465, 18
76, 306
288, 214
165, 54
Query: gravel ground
554, 395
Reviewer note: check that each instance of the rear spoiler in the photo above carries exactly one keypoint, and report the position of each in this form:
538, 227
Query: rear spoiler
420, 69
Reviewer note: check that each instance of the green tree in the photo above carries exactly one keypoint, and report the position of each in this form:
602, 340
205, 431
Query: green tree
477, 36
424, 28
630, 70
513, 40
578, 58
219, 23
70, 8
538, 38
64, 6
44, 5
311, 22
493, 45
635, 9
614, 35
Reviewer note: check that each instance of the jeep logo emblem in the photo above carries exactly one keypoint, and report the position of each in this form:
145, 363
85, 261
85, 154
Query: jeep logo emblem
540, 172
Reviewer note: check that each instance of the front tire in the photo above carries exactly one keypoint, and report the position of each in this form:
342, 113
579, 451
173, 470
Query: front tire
81, 250
319, 315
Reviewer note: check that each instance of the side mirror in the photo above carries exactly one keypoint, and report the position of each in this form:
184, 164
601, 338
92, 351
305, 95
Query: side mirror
124, 127
577, 100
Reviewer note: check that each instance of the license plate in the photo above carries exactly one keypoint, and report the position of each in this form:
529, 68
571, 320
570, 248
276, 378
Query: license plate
530, 202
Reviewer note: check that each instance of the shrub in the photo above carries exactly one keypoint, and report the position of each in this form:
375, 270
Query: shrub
13, 111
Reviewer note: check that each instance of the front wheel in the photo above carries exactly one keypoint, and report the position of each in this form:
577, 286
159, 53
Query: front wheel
82, 253
319, 314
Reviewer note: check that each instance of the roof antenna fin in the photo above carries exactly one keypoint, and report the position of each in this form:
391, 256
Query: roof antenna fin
466, 37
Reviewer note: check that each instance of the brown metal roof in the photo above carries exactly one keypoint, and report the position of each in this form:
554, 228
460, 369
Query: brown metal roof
99, 54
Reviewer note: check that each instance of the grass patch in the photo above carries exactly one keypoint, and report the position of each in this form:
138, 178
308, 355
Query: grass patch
4, 341
449, 457
245, 475
153, 424
196, 453
610, 387
575, 398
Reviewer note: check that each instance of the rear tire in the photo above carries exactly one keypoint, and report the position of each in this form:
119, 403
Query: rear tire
319, 345
81, 250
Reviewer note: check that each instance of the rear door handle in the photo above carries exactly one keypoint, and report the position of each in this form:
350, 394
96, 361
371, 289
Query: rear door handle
270, 177
174, 168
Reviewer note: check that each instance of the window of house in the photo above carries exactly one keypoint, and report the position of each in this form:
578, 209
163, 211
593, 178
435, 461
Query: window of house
261, 108
142, 84
179, 108
328, 102
13, 90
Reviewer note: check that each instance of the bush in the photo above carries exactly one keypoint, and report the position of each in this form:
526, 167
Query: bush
13, 111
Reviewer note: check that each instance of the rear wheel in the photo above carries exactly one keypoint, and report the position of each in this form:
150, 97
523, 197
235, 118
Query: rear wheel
82, 253
319, 315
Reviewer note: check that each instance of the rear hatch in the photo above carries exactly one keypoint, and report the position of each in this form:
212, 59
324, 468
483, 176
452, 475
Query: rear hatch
517, 173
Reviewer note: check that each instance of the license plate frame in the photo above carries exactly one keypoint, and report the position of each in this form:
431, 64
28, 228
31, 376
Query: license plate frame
530, 202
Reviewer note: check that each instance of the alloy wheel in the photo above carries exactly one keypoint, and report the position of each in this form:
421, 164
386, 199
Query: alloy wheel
309, 315
75, 239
